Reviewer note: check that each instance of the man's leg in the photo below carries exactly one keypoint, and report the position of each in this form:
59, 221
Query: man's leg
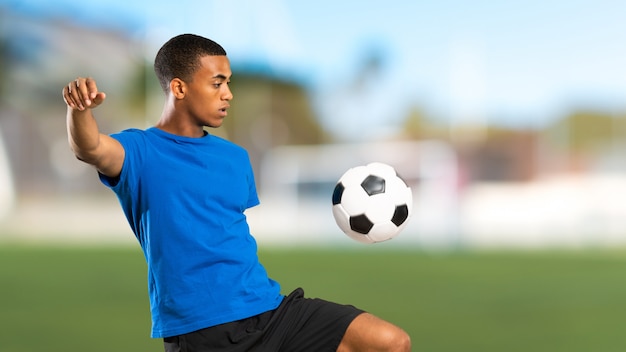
369, 333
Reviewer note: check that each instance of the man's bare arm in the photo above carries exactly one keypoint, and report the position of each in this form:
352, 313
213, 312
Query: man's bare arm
85, 139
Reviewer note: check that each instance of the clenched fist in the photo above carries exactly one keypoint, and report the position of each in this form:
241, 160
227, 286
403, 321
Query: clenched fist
82, 93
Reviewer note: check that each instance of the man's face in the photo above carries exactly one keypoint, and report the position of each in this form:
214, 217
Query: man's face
208, 95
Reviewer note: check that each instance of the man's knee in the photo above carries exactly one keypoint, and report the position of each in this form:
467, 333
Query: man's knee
403, 342
369, 333
396, 340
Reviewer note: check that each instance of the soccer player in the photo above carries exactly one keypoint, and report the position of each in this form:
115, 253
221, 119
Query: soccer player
184, 193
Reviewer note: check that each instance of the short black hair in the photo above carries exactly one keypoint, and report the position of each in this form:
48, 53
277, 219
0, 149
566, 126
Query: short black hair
180, 57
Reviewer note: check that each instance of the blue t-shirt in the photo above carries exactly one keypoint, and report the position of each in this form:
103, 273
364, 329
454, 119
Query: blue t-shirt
184, 199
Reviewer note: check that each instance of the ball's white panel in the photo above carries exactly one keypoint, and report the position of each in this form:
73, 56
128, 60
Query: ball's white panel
380, 169
341, 218
359, 237
383, 231
354, 176
409, 200
355, 200
379, 208
399, 192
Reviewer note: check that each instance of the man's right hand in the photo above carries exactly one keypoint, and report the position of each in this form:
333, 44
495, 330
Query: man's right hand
82, 93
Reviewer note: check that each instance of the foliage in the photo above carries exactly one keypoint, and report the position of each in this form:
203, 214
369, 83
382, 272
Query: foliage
587, 131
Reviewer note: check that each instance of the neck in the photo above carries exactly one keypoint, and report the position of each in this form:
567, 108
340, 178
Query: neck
174, 122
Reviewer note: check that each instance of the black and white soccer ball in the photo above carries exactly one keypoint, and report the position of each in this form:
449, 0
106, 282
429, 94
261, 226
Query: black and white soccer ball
371, 203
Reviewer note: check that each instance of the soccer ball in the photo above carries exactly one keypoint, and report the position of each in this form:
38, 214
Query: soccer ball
372, 203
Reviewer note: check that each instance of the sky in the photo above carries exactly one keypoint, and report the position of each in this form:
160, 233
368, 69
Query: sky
515, 62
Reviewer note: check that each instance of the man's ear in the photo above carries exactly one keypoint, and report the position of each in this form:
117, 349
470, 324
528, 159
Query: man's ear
178, 88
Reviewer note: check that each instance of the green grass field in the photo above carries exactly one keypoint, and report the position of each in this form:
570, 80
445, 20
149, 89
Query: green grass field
94, 299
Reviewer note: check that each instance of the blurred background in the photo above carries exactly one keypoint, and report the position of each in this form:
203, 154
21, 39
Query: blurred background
508, 119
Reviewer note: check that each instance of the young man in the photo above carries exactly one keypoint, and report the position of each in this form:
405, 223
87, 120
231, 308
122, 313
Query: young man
184, 193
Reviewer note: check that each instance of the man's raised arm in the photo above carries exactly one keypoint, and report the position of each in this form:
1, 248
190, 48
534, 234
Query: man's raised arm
86, 141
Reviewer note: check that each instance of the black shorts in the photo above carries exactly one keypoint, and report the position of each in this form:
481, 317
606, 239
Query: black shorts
298, 324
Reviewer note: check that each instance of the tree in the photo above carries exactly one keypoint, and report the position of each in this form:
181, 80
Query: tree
586, 131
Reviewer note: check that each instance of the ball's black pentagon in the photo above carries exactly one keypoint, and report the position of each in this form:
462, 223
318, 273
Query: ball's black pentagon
361, 224
337, 193
373, 184
400, 214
